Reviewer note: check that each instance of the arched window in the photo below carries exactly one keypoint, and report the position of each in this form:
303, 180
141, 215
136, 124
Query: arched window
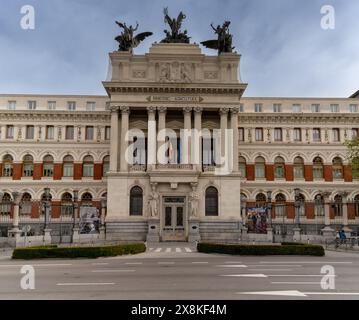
28, 166
88, 166
25, 204
68, 166
338, 205
300, 205
280, 205
106, 165
319, 205
43, 199
337, 168
356, 204
279, 168
66, 205
242, 166
86, 199
260, 167
211, 201
298, 168
136, 201
48, 166
318, 168
5, 204
7, 165
260, 200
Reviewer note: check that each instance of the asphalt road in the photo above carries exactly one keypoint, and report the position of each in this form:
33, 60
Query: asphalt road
176, 271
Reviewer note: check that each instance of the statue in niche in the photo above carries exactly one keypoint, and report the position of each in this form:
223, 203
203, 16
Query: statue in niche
153, 202
175, 35
224, 39
194, 199
127, 41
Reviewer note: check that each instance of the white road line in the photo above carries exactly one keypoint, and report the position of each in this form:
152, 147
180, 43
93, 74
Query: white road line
168, 250
296, 293
199, 262
169, 262
275, 265
100, 263
233, 262
333, 293
113, 270
158, 250
38, 265
246, 275
178, 250
299, 275
270, 269
133, 263
294, 282
232, 266
188, 249
308, 262
86, 284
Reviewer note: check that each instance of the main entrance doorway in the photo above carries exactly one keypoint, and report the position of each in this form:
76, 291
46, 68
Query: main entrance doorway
174, 219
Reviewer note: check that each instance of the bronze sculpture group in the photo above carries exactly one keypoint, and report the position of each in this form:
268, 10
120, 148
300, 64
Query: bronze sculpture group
128, 41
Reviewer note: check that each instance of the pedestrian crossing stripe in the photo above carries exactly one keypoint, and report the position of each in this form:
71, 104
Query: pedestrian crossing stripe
168, 250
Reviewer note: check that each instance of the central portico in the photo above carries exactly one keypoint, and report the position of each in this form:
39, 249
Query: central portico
169, 185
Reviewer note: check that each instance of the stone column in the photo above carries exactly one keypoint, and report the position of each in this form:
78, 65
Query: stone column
114, 141
125, 117
151, 138
186, 144
15, 232
346, 229
161, 126
197, 141
221, 153
234, 127
328, 232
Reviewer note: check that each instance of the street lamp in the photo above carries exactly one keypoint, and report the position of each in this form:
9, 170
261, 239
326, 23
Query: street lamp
297, 203
47, 206
269, 208
76, 198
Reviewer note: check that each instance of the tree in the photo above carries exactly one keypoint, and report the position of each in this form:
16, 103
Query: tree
353, 155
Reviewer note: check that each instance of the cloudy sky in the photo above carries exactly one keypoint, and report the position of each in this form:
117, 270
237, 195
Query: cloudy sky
285, 52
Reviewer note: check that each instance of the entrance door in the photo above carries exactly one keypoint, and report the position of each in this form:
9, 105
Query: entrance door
174, 219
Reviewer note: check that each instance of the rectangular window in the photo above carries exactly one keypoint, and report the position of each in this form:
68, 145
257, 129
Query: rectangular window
89, 133
277, 107
31, 105
11, 105
88, 170
241, 134
278, 134
71, 106
297, 108
107, 133
315, 108
241, 107
316, 134
51, 105
30, 132
355, 133
259, 134
90, 106
9, 132
353, 108
336, 135
48, 170
334, 107
258, 107
297, 134
68, 170
260, 170
69, 132
50, 132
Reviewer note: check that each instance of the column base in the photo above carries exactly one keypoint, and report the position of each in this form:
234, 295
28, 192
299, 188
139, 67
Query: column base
244, 234
75, 235
47, 236
153, 234
270, 234
193, 233
328, 233
296, 236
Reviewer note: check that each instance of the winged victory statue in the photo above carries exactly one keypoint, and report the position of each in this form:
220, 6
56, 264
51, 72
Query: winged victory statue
224, 39
175, 35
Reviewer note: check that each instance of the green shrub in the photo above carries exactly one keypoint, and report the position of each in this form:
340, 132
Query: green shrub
262, 250
77, 252
292, 243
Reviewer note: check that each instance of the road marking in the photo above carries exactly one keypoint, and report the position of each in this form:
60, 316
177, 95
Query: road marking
133, 263
270, 269
333, 293
232, 266
233, 262
188, 249
199, 262
100, 263
114, 270
178, 250
169, 262
299, 275
275, 265
38, 265
294, 282
168, 249
86, 284
150, 249
158, 250
293, 293
247, 275
308, 262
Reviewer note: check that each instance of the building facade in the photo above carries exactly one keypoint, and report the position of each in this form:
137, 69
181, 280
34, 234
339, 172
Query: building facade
129, 148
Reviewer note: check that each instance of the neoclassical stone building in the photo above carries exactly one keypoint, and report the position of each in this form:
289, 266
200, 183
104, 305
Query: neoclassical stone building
179, 192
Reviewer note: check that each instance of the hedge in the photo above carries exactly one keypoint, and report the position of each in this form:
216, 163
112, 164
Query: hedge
77, 252
262, 250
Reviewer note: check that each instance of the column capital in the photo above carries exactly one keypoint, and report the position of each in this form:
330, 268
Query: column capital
16, 197
114, 109
187, 109
151, 109
124, 109
198, 109
234, 110
223, 111
162, 109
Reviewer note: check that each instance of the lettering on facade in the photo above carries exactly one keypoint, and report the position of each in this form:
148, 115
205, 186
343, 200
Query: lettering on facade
194, 99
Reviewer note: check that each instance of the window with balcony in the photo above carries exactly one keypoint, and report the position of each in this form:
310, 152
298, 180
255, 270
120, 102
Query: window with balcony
318, 168
338, 205
279, 168
280, 205
88, 166
337, 168
298, 168
48, 166
259, 168
7, 165
28, 166
68, 166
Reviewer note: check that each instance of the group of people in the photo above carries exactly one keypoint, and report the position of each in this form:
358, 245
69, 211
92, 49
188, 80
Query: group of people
257, 220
